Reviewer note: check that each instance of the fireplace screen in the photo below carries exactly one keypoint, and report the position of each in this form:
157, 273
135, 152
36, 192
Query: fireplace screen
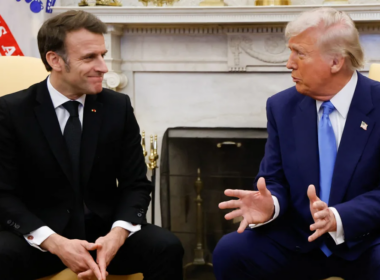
197, 165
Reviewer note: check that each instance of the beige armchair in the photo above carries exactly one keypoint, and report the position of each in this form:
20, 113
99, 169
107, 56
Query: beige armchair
374, 72
20, 72
67, 274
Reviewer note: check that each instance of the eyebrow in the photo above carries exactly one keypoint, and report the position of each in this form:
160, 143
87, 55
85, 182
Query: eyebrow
295, 47
92, 54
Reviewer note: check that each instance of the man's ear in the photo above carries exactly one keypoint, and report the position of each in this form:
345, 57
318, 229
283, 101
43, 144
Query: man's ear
55, 61
337, 63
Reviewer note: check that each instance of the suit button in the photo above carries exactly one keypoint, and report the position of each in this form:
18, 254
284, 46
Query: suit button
68, 211
139, 215
298, 248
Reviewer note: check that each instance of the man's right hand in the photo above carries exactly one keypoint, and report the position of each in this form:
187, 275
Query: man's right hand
254, 206
73, 253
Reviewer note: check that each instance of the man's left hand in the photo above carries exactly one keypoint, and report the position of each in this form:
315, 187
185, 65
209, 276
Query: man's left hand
324, 218
109, 245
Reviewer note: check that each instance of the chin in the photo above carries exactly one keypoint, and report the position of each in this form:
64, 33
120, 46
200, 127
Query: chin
299, 88
96, 90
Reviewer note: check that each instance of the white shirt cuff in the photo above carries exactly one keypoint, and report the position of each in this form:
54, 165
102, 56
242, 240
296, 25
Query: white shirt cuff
276, 213
36, 237
128, 226
337, 235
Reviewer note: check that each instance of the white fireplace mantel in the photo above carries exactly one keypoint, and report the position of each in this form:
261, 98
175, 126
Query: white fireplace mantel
254, 36
217, 15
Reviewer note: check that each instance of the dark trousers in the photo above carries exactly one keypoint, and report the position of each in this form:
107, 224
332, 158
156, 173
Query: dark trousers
252, 255
153, 251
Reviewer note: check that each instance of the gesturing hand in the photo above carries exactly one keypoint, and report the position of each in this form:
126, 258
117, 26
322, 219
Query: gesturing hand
324, 218
254, 206
107, 247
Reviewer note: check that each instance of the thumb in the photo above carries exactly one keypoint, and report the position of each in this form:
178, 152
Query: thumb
311, 193
90, 246
262, 187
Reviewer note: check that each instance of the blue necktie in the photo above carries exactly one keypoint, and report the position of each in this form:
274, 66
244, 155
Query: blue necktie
327, 155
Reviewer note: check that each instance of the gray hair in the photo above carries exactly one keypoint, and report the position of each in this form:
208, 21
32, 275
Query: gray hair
340, 36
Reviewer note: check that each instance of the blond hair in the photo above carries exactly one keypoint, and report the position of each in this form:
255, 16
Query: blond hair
339, 37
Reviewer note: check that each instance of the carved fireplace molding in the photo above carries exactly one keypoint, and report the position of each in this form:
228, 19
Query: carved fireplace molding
252, 36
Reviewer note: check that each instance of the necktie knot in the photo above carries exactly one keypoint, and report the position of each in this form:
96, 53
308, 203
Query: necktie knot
72, 108
327, 108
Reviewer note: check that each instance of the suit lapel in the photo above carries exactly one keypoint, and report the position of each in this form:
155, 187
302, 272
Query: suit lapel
48, 121
306, 137
92, 119
353, 141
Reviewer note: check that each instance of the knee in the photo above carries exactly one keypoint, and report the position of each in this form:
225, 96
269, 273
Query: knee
173, 247
226, 249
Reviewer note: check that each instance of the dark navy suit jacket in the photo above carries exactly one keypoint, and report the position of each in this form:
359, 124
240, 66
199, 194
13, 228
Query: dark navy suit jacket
291, 164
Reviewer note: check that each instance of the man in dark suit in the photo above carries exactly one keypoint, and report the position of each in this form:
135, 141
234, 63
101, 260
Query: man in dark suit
72, 173
316, 210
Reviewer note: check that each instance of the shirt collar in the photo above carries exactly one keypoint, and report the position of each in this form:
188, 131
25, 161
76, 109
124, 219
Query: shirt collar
343, 98
58, 98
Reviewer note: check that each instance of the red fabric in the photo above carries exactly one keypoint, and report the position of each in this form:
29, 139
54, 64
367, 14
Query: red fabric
8, 44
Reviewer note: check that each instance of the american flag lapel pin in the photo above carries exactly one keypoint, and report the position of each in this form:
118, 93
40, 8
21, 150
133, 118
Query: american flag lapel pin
364, 126
93, 110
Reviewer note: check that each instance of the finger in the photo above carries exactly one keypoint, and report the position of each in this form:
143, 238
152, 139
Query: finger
85, 275
103, 268
312, 195
320, 224
236, 193
243, 226
90, 246
262, 187
322, 214
230, 204
320, 205
233, 214
318, 233
95, 268
102, 264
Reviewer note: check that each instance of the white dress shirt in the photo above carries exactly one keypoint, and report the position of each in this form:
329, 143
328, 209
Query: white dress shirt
341, 101
36, 237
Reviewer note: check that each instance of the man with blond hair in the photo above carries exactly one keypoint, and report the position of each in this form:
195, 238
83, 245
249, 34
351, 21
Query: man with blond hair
315, 210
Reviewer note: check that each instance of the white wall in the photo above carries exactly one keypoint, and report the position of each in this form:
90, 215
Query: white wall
23, 23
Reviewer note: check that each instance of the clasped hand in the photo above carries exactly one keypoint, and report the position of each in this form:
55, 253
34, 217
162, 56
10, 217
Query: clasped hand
75, 253
107, 248
257, 207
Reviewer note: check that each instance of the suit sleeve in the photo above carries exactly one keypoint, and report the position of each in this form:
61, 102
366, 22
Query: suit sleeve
271, 165
133, 184
14, 215
359, 216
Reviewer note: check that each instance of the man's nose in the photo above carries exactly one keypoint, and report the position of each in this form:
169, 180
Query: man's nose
291, 63
101, 66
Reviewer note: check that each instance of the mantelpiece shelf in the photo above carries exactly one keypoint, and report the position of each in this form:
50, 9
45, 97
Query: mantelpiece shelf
217, 15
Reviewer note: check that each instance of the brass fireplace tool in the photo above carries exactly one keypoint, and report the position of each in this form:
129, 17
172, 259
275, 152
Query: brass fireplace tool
199, 254
152, 165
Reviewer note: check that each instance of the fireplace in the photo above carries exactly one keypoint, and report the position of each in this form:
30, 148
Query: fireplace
226, 158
